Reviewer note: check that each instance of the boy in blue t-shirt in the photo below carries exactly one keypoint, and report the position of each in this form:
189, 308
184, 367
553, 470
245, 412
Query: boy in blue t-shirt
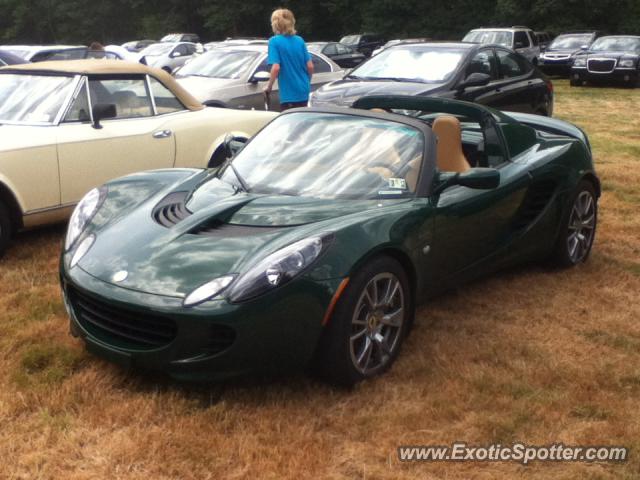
290, 61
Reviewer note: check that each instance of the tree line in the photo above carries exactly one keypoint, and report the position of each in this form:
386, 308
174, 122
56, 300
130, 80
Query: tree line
117, 21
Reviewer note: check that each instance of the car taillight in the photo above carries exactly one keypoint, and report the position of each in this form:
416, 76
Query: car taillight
550, 86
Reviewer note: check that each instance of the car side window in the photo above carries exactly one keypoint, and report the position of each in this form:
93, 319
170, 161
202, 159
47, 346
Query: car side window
509, 64
342, 50
165, 100
493, 147
79, 110
521, 40
191, 49
181, 49
319, 65
534, 38
482, 62
130, 96
330, 49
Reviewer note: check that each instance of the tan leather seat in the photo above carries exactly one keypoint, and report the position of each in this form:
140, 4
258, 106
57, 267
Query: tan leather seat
450, 155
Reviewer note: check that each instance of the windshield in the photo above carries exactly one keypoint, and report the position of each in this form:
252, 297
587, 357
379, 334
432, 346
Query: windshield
350, 39
418, 64
571, 41
617, 44
489, 36
158, 49
172, 37
32, 99
328, 155
220, 63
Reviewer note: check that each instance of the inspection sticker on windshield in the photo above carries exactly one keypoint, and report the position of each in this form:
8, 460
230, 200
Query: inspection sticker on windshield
400, 183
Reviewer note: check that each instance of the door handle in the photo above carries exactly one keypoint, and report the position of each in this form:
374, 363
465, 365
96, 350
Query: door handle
162, 134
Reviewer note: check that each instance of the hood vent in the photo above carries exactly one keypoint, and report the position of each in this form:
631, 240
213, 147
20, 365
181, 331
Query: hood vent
216, 228
171, 210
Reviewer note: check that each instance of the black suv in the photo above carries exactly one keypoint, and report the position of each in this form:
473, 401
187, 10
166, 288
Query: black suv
609, 59
558, 57
365, 43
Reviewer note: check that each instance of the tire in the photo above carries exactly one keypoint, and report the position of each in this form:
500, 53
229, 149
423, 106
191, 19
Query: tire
575, 83
578, 227
6, 228
361, 342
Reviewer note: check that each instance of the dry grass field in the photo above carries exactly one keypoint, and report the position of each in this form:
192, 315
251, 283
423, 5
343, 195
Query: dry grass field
534, 355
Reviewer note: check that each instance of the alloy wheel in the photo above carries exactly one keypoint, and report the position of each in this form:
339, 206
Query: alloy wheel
582, 223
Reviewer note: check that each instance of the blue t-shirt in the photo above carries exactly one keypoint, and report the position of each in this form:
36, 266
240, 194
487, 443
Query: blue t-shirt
290, 52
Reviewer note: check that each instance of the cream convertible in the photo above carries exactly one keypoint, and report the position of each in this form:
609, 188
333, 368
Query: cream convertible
66, 127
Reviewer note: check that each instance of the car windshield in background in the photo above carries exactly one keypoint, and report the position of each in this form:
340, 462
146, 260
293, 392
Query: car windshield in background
572, 42
330, 156
617, 44
500, 38
220, 63
174, 37
415, 64
350, 39
23, 53
158, 49
32, 99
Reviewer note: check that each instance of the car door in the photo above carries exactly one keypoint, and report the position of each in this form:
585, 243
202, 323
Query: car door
471, 225
132, 141
514, 83
483, 61
249, 94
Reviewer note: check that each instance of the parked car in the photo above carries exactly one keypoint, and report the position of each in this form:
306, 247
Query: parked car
8, 58
520, 39
559, 55
69, 126
39, 53
138, 45
343, 55
234, 76
398, 41
609, 59
543, 39
488, 74
168, 55
181, 37
365, 43
314, 245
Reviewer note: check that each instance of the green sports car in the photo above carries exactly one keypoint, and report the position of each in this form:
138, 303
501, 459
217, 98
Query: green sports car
314, 243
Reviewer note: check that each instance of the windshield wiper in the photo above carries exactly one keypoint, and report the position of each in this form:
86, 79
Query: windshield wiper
243, 184
394, 79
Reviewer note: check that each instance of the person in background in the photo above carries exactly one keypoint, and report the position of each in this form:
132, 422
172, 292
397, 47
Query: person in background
290, 61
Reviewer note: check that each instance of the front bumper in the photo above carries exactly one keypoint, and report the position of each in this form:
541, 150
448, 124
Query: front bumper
274, 333
627, 76
555, 67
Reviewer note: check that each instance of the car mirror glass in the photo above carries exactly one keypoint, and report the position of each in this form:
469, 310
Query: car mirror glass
260, 76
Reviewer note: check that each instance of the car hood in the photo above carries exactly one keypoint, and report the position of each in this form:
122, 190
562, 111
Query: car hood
606, 54
203, 87
345, 92
226, 234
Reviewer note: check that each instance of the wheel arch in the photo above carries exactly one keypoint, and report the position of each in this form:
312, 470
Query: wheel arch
218, 144
595, 181
9, 199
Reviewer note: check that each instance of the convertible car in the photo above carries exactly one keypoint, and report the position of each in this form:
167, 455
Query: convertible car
66, 127
316, 241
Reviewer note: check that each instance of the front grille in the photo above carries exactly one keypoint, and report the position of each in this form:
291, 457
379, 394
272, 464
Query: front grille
601, 65
556, 56
171, 209
121, 327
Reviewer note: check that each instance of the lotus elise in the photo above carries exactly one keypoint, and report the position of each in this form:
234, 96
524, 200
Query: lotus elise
313, 245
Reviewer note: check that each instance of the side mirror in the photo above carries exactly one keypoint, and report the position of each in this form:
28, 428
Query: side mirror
101, 111
233, 144
584, 47
477, 178
261, 76
476, 79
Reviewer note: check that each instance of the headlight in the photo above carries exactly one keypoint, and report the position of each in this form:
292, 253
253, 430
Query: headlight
626, 63
82, 215
278, 268
208, 291
580, 62
82, 250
